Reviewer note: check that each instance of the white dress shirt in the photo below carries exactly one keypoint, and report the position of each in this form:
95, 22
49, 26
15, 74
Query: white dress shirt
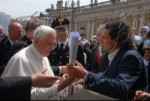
112, 55
65, 43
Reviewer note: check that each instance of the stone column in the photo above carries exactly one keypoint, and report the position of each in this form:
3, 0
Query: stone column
92, 27
89, 29
134, 21
141, 21
76, 26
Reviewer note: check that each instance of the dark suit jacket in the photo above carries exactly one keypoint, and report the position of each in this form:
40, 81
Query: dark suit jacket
93, 65
18, 45
148, 69
15, 88
122, 78
59, 58
4, 48
140, 49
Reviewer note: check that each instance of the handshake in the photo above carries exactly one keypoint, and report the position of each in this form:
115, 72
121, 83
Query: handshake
70, 73
74, 73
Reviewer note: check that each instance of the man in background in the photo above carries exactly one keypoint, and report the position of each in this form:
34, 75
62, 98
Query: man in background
15, 31
60, 55
26, 40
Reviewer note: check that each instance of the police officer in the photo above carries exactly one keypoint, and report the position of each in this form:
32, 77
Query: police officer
60, 55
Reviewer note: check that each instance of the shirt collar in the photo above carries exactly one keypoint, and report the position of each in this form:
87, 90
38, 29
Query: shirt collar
65, 43
112, 55
36, 52
11, 42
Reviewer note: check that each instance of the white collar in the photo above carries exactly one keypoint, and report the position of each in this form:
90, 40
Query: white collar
36, 52
112, 55
11, 42
65, 43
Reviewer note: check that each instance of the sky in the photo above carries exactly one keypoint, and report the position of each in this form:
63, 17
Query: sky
18, 8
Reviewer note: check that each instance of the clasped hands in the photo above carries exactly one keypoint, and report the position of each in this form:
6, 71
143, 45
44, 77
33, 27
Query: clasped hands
74, 73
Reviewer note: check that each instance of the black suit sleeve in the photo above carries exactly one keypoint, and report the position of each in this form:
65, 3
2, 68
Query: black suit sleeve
56, 70
80, 55
15, 88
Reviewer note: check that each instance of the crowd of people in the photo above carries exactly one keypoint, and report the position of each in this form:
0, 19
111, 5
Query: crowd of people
115, 62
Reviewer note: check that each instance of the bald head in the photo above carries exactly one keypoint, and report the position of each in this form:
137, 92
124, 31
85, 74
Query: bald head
15, 30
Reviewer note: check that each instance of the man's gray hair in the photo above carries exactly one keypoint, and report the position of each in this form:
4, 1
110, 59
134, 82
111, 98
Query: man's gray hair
42, 31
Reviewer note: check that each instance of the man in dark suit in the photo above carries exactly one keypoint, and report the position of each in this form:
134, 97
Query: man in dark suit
96, 62
15, 31
26, 40
125, 71
19, 88
60, 55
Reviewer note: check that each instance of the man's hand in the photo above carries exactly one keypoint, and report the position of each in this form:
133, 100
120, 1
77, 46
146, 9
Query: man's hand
77, 71
140, 95
79, 81
42, 80
65, 81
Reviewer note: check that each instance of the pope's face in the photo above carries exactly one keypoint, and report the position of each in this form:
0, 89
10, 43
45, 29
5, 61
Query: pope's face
47, 45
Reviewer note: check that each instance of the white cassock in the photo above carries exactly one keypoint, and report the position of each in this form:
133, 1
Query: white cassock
27, 62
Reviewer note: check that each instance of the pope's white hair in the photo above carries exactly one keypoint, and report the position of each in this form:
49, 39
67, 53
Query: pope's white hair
42, 31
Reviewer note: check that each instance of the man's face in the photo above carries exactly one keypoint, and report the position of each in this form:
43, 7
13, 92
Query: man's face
106, 42
16, 31
47, 45
99, 37
62, 35
147, 54
143, 32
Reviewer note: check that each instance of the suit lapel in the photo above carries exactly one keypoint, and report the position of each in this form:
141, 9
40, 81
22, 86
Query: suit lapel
7, 43
114, 64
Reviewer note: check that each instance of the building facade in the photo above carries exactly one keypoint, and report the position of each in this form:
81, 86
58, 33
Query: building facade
86, 19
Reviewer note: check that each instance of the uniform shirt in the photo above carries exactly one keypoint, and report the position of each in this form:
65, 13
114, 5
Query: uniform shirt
64, 43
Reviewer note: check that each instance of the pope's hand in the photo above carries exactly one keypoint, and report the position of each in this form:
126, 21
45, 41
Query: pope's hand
42, 80
65, 81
